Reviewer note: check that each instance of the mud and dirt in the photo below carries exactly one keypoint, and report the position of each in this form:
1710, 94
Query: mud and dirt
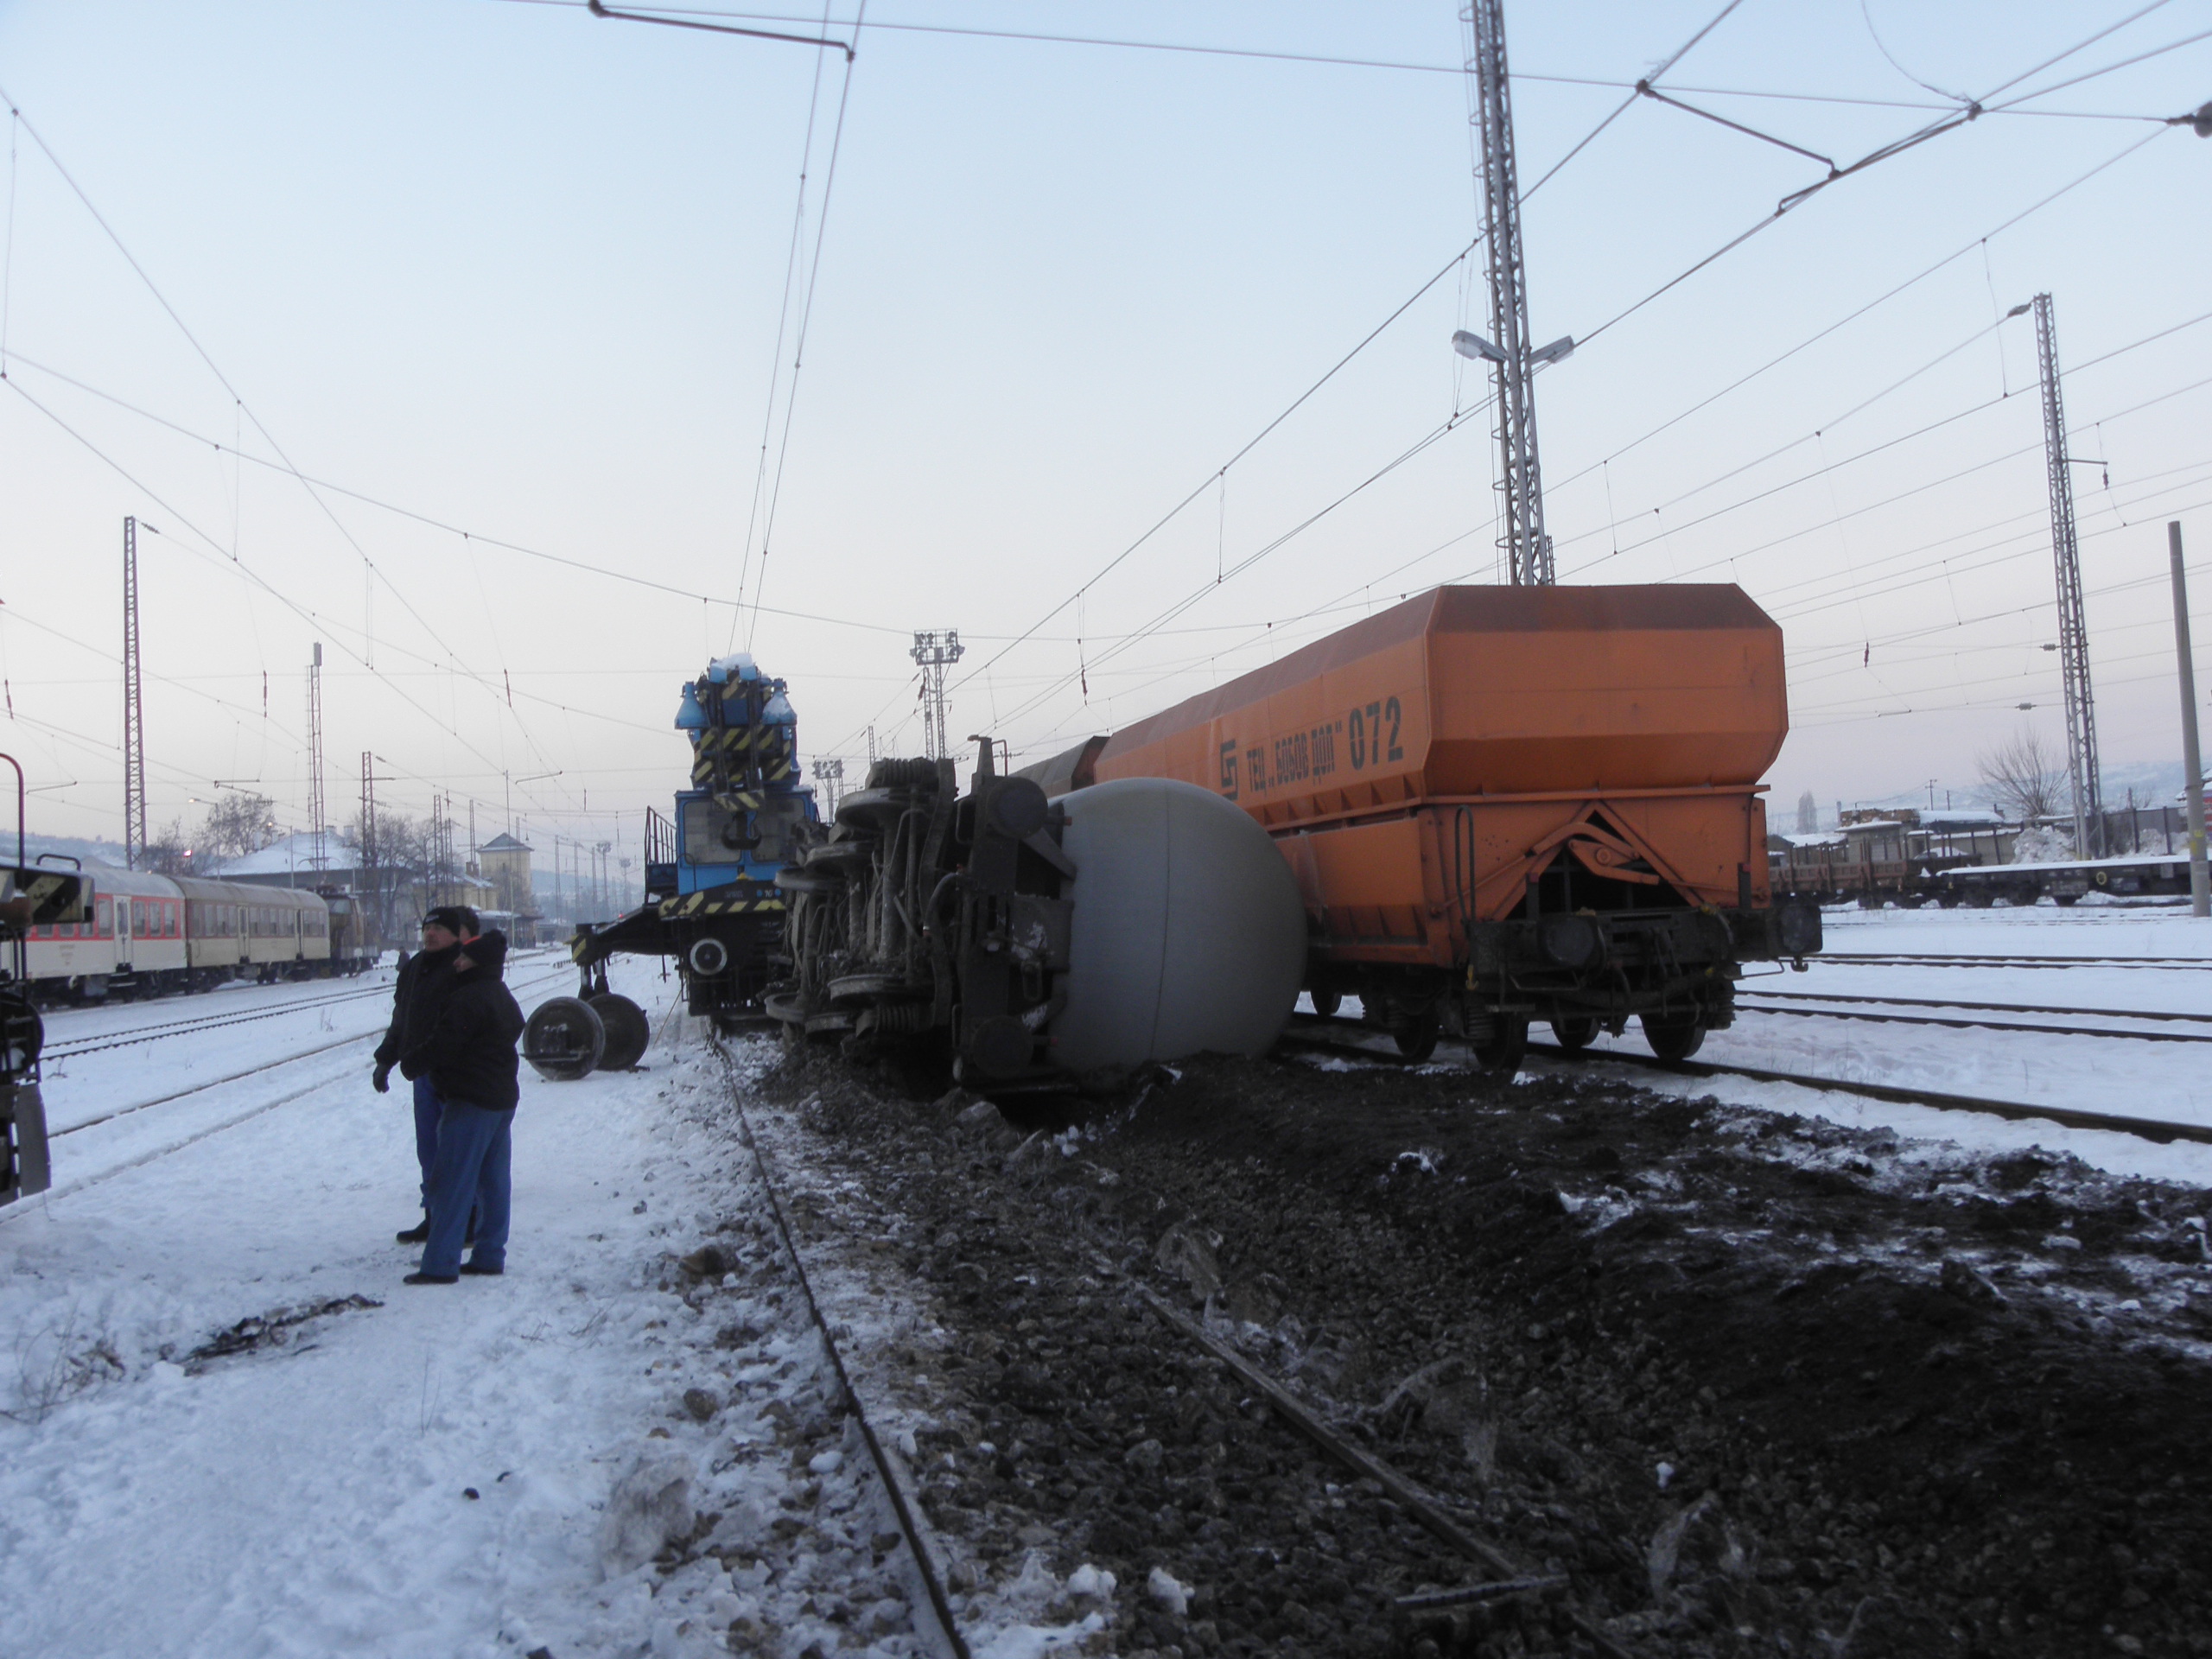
1753, 1384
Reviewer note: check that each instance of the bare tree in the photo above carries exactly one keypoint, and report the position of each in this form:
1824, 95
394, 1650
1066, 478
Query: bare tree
2026, 778
237, 825
165, 854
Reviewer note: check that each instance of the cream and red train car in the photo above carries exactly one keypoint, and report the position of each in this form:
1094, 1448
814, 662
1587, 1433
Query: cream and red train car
147, 935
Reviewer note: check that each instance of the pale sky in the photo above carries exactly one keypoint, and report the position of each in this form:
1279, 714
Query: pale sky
518, 272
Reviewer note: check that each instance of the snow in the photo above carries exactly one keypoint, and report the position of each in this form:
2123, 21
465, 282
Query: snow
486, 1468
2137, 1079
473, 1469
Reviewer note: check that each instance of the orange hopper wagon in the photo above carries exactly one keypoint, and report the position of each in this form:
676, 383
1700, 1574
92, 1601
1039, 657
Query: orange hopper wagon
1507, 805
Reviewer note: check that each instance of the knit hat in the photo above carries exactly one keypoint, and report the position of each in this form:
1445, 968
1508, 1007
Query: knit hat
458, 919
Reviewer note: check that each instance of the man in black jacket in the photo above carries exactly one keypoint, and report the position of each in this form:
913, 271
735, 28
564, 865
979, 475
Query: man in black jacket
470, 1057
416, 999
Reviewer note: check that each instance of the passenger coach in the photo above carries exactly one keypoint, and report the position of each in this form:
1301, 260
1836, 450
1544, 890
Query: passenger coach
149, 935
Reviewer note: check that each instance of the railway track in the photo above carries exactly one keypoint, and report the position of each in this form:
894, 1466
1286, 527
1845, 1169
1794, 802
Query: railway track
1963, 1019
132, 1036
1340, 1035
1084, 1359
67, 1189
900, 1493
1949, 959
62, 1047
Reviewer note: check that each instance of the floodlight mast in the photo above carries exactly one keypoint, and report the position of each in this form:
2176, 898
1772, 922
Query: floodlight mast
1520, 484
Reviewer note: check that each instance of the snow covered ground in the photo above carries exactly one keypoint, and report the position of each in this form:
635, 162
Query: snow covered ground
480, 1469
2127, 1077
484, 1469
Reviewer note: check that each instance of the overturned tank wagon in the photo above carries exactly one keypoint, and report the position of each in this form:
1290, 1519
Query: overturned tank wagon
1140, 920
1503, 805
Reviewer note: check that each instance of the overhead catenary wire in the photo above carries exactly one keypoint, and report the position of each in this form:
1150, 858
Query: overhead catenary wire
1330, 60
1221, 473
805, 317
245, 411
1851, 317
1948, 122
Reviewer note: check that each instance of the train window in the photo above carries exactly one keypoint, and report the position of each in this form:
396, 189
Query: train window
774, 823
172, 919
712, 834
107, 918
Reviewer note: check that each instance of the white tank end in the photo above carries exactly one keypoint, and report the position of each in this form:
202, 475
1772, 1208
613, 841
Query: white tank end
1188, 935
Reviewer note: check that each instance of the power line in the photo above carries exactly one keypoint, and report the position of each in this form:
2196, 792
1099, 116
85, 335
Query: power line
1949, 123
430, 521
805, 317
239, 404
1221, 471
1852, 317
1877, 448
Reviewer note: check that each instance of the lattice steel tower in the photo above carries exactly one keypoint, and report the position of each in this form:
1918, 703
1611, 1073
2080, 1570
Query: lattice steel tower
1520, 483
371, 908
134, 709
936, 651
2072, 625
316, 809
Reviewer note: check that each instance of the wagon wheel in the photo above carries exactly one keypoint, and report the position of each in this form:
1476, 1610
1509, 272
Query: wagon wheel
1504, 1049
1676, 1039
628, 1032
563, 1039
1417, 1036
1574, 1032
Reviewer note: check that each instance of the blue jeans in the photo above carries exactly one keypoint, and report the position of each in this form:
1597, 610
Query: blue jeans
470, 1169
426, 1108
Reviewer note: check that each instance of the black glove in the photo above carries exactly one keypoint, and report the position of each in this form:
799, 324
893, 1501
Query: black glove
380, 1080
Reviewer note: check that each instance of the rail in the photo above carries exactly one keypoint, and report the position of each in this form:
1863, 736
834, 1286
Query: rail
1314, 1031
897, 1486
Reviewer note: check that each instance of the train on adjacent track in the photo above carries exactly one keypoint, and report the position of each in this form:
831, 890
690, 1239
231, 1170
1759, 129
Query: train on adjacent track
1481, 809
147, 935
1872, 871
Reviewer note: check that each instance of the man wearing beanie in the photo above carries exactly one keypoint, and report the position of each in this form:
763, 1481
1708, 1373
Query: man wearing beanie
425, 978
470, 1057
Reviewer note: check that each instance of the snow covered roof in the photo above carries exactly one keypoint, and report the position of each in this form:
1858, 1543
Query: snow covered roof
287, 854
1810, 838
504, 842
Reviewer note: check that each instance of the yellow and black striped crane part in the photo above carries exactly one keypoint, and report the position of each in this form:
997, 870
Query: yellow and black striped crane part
713, 901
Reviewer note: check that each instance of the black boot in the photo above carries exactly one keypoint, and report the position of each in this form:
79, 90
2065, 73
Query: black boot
415, 1235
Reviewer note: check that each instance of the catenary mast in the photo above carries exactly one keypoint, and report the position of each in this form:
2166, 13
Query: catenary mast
134, 710
1520, 484
2072, 625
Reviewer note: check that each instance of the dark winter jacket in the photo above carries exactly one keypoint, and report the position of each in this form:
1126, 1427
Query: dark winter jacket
469, 1054
425, 978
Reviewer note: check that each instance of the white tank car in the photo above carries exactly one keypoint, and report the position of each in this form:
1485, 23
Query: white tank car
1139, 920
1187, 935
